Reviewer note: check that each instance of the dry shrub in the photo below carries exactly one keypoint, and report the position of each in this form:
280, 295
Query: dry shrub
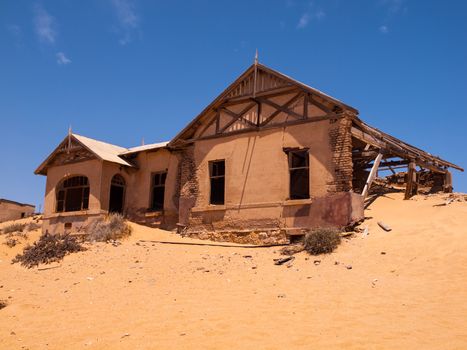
11, 242
49, 248
32, 226
322, 241
3, 304
112, 227
15, 227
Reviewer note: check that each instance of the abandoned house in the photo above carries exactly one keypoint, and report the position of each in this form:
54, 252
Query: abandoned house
270, 157
11, 210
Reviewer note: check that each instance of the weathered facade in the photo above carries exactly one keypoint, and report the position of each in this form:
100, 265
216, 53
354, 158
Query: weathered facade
11, 210
268, 158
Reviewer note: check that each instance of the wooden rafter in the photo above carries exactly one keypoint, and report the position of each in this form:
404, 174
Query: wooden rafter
280, 108
285, 105
237, 116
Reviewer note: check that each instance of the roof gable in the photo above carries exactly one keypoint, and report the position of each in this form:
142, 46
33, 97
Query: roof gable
75, 148
252, 87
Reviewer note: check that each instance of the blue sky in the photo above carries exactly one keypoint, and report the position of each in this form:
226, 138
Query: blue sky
121, 70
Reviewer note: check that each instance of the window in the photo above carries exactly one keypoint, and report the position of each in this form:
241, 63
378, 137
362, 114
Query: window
73, 194
217, 177
299, 174
158, 190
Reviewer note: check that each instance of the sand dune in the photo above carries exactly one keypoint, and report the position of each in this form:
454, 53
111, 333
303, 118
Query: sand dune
143, 295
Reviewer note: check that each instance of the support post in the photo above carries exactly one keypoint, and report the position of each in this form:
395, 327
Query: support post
372, 175
447, 182
411, 181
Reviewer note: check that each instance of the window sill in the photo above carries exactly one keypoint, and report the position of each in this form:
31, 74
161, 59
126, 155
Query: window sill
75, 213
212, 207
291, 202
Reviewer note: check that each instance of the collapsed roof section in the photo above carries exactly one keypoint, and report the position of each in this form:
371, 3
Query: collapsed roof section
376, 141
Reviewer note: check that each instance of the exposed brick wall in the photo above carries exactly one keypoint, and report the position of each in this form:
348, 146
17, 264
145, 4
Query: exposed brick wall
187, 183
340, 140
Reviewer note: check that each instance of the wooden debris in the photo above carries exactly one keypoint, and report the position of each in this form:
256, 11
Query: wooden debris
346, 234
283, 260
384, 226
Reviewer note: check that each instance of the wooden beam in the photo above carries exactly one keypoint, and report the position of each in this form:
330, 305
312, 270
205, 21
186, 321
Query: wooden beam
265, 94
279, 107
447, 186
411, 180
277, 111
371, 176
237, 116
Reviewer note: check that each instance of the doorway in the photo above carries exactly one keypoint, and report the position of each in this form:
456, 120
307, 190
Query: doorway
117, 194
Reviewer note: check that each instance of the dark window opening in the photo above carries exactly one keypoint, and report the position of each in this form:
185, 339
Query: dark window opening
217, 179
158, 191
117, 193
299, 174
73, 194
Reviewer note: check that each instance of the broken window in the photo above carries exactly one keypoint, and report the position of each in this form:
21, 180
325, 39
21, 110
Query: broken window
217, 179
73, 194
158, 190
299, 173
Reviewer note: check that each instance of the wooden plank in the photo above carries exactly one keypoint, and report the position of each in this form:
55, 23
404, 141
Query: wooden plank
411, 178
448, 182
372, 175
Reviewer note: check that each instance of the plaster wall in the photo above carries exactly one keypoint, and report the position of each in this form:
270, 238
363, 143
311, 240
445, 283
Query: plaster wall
55, 222
257, 176
12, 211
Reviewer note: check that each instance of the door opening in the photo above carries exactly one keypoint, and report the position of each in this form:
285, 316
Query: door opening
117, 194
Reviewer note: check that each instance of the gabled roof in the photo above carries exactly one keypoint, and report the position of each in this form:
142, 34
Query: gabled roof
260, 67
102, 150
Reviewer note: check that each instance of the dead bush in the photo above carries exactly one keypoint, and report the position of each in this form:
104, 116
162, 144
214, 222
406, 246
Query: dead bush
112, 227
3, 304
322, 241
49, 248
32, 226
11, 242
15, 227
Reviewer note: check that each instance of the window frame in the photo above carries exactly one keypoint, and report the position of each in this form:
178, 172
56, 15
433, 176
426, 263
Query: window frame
289, 152
63, 188
151, 207
215, 177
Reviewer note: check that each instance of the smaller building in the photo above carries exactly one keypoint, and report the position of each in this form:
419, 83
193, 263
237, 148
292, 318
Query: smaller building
11, 210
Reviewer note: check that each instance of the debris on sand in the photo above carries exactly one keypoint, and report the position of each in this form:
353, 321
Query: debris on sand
293, 249
283, 260
384, 226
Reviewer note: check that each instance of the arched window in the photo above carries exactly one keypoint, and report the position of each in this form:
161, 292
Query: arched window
117, 194
73, 194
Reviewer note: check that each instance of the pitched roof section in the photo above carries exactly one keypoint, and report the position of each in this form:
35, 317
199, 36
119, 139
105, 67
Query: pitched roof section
148, 147
245, 84
102, 150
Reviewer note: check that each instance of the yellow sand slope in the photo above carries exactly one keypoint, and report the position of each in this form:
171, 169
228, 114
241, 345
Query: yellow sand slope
155, 296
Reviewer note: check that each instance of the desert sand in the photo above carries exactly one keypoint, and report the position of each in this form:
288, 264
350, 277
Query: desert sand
406, 289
